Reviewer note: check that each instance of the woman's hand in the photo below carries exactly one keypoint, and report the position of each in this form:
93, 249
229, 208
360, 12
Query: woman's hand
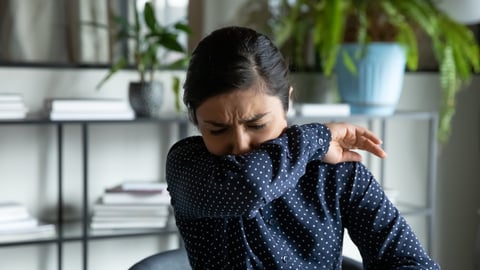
346, 137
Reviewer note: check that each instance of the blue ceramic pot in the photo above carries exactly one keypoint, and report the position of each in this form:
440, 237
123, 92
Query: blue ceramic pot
376, 87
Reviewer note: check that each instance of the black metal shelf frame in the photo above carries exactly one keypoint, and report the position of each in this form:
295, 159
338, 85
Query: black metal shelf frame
86, 235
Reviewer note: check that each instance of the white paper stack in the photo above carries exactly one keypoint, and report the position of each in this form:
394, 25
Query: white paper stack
322, 109
12, 106
88, 109
16, 224
132, 205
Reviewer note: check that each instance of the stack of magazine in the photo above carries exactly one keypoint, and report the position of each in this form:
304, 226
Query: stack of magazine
88, 109
132, 205
16, 224
12, 106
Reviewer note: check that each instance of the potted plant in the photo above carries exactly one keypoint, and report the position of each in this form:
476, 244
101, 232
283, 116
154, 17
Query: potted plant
336, 23
145, 95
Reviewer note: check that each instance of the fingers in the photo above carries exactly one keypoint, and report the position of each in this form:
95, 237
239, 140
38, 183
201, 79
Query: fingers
365, 133
350, 136
376, 150
370, 144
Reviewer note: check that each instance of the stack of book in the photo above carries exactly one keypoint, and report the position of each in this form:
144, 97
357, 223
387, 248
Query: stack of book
16, 224
88, 109
12, 106
132, 205
322, 109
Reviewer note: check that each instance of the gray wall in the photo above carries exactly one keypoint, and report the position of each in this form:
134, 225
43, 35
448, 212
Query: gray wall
458, 184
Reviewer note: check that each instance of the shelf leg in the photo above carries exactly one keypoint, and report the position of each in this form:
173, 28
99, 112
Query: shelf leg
60, 196
85, 196
383, 136
432, 179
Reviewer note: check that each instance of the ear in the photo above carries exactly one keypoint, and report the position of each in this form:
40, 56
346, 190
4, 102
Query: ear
290, 101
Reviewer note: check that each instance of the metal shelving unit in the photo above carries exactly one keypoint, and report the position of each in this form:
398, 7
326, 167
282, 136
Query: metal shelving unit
79, 231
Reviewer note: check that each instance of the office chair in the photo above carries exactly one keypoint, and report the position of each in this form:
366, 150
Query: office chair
177, 260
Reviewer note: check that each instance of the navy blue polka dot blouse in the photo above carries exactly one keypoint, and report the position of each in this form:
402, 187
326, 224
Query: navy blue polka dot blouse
281, 207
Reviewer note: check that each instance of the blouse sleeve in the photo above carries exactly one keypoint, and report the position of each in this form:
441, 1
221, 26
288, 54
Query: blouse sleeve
204, 185
382, 235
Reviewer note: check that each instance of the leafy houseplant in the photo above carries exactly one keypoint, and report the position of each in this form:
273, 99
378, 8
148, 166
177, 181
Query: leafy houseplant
147, 43
335, 22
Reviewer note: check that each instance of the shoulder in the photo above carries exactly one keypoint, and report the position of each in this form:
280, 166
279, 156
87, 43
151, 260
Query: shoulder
188, 144
187, 149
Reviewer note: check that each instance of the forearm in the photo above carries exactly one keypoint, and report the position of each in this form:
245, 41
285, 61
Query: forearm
204, 185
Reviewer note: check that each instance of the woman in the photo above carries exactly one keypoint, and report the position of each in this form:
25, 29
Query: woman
254, 193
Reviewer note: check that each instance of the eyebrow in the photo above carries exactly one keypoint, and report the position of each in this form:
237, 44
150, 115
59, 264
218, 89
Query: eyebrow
249, 120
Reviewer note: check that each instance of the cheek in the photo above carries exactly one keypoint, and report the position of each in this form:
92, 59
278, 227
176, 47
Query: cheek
264, 135
278, 127
272, 132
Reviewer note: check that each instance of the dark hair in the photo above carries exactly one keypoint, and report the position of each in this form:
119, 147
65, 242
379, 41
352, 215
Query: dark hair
233, 58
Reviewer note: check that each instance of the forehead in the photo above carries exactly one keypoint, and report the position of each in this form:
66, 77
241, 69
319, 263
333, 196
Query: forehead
240, 104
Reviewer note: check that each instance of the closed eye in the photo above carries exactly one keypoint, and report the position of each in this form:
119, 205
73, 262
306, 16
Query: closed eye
257, 127
218, 131
223, 130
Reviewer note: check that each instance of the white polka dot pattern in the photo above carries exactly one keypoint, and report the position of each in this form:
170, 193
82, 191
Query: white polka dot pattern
280, 207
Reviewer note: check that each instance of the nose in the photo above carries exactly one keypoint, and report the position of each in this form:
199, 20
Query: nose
241, 142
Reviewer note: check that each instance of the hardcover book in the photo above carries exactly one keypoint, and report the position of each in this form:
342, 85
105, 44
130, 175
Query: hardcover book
160, 222
136, 197
88, 109
86, 105
16, 224
12, 106
41, 231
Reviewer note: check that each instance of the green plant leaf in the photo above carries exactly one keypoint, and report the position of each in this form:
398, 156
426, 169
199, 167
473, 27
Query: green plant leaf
329, 33
149, 16
453, 44
176, 92
183, 27
147, 42
406, 35
168, 41
180, 63
349, 63
121, 63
